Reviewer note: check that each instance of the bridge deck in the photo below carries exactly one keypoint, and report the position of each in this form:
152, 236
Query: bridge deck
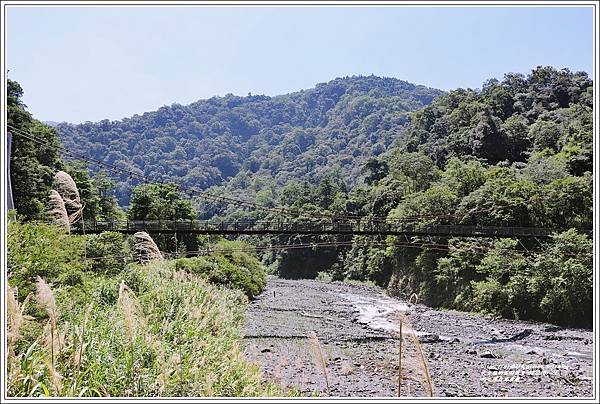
309, 227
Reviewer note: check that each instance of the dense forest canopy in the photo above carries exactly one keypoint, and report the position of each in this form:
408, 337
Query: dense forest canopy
517, 152
340, 124
546, 112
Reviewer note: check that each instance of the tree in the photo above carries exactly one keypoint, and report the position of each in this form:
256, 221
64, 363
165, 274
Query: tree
437, 205
97, 193
163, 202
463, 176
564, 278
502, 201
568, 203
418, 168
33, 163
159, 202
108, 208
376, 170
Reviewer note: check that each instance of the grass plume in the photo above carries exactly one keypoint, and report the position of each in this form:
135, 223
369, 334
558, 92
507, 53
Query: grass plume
146, 248
15, 318
57, 210
67, 189
405, 322
318, 356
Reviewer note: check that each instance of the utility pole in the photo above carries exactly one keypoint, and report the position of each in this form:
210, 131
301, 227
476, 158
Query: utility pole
9, 199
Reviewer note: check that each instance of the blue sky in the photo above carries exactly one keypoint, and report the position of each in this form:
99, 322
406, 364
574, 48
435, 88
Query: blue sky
80, 64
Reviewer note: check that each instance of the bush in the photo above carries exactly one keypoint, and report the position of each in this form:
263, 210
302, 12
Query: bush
108, 252
489, 296
323, 277
134, 277
105, 290
238, 270
556, 285
71, 277
43, 250
563, 276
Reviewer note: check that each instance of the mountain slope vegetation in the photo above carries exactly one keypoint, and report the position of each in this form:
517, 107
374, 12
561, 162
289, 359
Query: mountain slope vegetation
518, 152
339, 124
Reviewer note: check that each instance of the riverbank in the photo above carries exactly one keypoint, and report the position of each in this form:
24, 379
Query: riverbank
357, 329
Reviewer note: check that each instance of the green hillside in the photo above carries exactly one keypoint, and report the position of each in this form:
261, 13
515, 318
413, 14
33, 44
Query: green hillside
299, 135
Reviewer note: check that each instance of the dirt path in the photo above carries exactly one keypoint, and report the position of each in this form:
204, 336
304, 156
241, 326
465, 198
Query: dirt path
357, 330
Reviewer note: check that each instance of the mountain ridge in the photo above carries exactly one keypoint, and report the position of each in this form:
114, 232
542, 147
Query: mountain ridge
340, 123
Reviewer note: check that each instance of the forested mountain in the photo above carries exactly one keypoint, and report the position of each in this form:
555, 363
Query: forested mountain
340, 124
518, 152
548, 111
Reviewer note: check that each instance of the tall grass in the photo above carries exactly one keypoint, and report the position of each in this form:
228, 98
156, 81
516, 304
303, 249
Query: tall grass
404, 323
172, 334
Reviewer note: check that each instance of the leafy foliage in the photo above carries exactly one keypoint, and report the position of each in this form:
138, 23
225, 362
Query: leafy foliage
115, 330
41, 250
340, 123
32, 164
108, 252
177, 338
548, 109
515, 153
234, 269
163, 202
97, 193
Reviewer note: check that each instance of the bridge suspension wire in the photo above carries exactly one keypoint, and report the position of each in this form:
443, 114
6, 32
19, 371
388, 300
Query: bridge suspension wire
284, 247
230, 200
281, 248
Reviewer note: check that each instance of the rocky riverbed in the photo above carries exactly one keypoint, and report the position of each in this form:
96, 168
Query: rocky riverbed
356, 337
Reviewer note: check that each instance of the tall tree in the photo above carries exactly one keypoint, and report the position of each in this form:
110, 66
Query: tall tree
163, 202
33, 163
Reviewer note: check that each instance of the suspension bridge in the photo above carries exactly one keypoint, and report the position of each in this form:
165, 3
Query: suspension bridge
288, 222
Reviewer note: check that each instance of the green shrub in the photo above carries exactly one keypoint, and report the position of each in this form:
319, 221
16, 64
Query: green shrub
555, 285
489, 296
71, 277
36, 249
563, 276
238, 270
105, 290
323, 277
108, 252
134, 277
